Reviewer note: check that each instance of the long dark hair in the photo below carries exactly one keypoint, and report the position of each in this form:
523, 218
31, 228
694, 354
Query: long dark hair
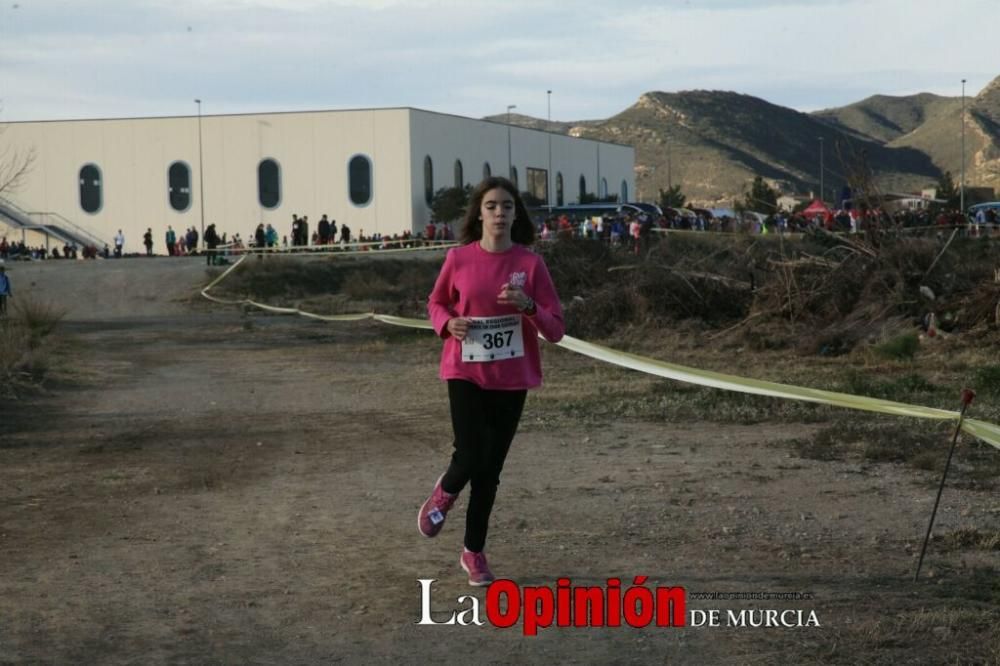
522, 231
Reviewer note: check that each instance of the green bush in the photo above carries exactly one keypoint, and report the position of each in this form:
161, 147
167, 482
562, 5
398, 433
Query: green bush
987, 380
900, 348
910, 387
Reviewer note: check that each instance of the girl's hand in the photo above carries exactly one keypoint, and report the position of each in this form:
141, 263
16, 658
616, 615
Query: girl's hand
458, 327
514, 296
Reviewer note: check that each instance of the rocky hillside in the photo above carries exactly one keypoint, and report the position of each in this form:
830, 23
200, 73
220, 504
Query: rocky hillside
941, 138
540, 123
713, 143
884, 118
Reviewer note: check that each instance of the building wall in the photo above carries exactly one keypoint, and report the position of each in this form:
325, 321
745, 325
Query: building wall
596, 162
134, 155
313, 150
446, 139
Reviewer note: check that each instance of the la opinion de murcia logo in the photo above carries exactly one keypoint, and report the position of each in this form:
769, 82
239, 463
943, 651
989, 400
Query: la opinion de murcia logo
613, 605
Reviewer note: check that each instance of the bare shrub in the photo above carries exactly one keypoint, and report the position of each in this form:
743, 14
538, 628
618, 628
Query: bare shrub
819, 293
22, 360
14, 344
38, 317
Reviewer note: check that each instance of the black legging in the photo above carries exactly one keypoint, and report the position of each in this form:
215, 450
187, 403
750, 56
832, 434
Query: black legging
484, 422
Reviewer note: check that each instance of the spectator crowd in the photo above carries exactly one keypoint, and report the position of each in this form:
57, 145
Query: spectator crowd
629, 229
621, 229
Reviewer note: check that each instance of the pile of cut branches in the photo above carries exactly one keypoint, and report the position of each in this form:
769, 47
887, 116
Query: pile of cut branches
821, 288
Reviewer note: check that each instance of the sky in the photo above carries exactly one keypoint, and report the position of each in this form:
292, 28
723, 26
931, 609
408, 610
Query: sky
68, 59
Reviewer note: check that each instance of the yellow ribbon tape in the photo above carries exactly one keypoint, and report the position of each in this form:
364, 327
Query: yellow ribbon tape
987, 432
338, 248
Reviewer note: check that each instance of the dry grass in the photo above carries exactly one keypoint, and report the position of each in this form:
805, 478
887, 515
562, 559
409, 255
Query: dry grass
821, 312
919, 445
968, 538
24, 358
335, 285
822, 294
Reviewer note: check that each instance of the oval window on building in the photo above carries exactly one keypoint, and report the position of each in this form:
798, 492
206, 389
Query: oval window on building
583, 187
604, 188
428, 180
269, 183
459, 176
91, 196
359, 176
179, 186
487, 170
624, 192
513, 176
559, 189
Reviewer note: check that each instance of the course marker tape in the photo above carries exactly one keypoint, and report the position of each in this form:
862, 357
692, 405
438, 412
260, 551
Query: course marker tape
337, 248
983, 430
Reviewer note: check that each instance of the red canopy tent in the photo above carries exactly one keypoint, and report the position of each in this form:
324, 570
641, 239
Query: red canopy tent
817, 207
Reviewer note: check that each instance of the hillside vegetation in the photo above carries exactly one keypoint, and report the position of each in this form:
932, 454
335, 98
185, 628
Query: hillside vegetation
885, 118
713, 143
815, 294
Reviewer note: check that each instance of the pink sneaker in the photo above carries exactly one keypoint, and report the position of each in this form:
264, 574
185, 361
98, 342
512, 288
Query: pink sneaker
430, 518
478, 569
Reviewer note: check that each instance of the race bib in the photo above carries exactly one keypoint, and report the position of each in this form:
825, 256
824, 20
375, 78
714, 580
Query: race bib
493, 339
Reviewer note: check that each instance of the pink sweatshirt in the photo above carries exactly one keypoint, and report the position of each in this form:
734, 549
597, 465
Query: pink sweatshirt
468, 286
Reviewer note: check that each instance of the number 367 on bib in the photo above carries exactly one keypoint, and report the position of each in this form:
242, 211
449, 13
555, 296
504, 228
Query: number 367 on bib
493, 339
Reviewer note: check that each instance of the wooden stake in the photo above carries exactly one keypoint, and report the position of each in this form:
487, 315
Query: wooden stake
967, 397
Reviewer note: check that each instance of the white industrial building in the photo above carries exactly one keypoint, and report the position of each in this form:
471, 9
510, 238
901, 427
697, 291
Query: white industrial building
374, 169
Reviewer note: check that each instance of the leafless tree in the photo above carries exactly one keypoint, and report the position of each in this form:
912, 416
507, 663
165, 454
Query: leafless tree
15, 165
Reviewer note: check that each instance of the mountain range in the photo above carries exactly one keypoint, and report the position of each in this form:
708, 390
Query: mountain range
713, 143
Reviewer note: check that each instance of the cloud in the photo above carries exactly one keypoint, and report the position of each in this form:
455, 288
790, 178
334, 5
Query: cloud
472, 57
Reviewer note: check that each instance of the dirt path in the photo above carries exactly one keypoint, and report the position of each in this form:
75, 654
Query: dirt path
229, 492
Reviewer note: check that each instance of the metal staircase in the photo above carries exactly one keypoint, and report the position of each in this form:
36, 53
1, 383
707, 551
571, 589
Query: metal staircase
52, 225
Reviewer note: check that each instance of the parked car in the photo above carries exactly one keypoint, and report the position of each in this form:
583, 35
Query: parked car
973, 210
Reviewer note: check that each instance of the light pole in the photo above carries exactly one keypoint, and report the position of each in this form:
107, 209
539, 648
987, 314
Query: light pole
201, 176
548, 178
670, 181
961, 191
821, 182
510, 162
5, 35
